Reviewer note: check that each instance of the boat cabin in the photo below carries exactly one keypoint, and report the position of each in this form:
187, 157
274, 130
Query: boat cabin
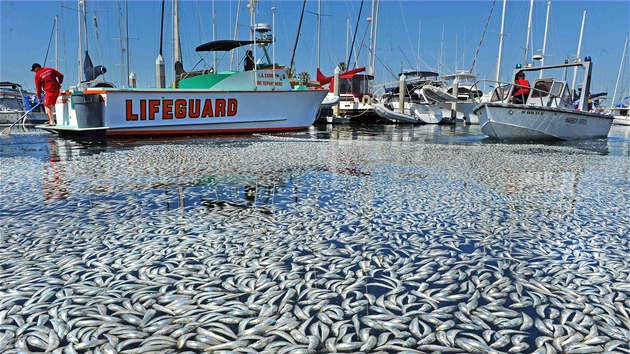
358, 85
546, 92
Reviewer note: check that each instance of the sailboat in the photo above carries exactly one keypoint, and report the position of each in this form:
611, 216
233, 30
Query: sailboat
620, 110
354, 99
199, 102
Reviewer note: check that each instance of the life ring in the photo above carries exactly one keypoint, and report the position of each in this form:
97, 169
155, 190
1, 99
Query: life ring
366, 100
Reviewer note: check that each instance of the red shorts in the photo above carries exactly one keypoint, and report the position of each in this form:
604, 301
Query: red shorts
51, 97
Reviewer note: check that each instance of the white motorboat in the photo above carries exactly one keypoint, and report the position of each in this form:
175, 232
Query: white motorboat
413, 113
460, 90
14, 104
548, 112
410, 92
621, 114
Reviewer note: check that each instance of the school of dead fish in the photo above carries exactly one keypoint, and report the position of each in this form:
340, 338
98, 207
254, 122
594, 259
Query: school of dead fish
349, 246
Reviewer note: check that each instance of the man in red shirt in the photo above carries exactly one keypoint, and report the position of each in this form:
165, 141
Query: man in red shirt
48, 80
521, 91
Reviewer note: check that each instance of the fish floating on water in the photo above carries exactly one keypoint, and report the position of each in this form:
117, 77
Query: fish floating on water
429, 249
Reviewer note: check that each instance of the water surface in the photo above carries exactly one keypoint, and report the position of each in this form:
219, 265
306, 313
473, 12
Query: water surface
347, 238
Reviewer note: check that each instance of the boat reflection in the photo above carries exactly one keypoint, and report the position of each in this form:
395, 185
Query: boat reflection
166, 176
55, 183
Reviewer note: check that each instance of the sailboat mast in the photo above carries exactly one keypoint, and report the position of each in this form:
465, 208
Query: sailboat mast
373, 49
529, 32
56, 42
354, 37
577, 56
81, 5
160, 71
177, 58
297, 37
122, 48
623, 56
544, 48
238, 13
371, 21
348, 29
127, 39
498, 73
319, 29
214, 35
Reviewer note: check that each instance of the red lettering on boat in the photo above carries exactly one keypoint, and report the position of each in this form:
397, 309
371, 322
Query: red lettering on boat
194, 108
219, 106
154, 107
207, 109
143, 109
180, 109
232, 107
129, 111
167, 109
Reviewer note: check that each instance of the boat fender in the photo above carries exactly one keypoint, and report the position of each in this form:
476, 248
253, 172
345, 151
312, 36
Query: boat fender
366, 99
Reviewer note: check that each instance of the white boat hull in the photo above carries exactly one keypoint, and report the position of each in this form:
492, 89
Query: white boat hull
330, 100
517, 122
621, 120
10, 117
182, 111
437, 94
412, 113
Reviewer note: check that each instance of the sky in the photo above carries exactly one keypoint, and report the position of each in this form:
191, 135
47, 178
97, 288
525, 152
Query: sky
440, 36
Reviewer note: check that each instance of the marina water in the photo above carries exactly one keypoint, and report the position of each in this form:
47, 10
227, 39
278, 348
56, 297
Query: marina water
346, 238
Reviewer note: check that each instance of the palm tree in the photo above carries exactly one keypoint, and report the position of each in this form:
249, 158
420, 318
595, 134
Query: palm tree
342, 67
303, 78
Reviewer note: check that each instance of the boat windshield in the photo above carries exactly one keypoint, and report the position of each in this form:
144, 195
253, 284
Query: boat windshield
501, 93
10, 101
358, 85
541, 88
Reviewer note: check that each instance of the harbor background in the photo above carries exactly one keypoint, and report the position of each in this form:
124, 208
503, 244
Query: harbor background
440, 36
399, 236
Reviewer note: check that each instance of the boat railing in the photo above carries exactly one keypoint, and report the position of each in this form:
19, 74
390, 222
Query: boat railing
542, 94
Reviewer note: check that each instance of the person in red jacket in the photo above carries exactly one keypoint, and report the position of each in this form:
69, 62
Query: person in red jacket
48, 80
521, 91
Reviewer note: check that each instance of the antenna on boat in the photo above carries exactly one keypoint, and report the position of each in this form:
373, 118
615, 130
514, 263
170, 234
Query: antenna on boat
273, 39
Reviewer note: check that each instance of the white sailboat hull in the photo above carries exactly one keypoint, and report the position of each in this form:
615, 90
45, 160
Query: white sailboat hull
517, 122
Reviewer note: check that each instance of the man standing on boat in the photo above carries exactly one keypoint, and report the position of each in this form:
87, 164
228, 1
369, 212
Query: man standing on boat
249, 61
48, 80
521, 90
